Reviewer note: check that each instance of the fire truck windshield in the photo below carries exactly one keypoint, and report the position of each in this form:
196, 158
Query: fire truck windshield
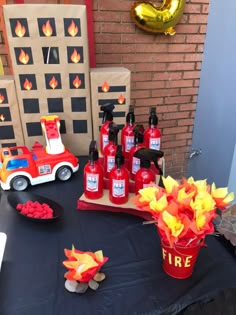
17, 163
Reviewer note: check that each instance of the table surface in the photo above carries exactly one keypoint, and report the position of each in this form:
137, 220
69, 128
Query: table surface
32, 274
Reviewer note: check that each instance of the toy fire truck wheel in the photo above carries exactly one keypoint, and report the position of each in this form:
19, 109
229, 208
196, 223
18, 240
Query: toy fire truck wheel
19, 183
64, 173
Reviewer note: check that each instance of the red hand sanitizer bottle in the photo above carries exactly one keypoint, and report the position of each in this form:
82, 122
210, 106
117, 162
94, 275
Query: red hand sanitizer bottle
110, 149
127, 134
119, 180
93, 174
106, 120
152, 135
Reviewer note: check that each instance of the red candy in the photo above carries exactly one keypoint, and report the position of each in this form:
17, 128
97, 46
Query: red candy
35, 210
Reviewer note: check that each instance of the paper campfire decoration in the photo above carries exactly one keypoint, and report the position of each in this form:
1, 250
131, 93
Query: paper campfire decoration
83, 270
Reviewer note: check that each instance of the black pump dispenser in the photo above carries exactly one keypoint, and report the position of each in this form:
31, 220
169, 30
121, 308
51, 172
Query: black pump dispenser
107, 112
147, 155
119, 158
93, 152
113, 133
130, 117
138, 134
153, 119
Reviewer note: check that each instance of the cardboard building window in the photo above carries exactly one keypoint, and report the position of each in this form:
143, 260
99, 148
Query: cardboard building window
23, 56
115, 114
76, 80
8, 144
62, 127
53, 81
5, 114
3, 96
80, 126
28, 82
72, 27
78, 104
47, 27
30, 105
34, 129
6, 132
55, 105
75, 54
19, 27
121, 88
50, 55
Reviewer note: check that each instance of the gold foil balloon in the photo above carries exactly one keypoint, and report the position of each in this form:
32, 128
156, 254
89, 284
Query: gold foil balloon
157, 19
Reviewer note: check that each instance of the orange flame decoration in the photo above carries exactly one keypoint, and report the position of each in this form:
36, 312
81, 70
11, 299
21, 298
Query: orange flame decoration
47, 29
77, 82
1, 98
73, 29
82, 266
53, 83
27, 85
75, 57
2, 118
20, 29
105, 87
23, 57
121, 99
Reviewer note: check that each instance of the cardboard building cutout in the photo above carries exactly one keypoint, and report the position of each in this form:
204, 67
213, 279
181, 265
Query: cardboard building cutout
49, 52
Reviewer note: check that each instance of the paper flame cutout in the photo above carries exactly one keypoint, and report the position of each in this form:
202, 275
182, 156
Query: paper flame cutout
2, 118
23, 57
121, 99
75, 57
77, 82
73, 29
105, 87
20, 29
1, 98
27, 85
53, 83
47, 29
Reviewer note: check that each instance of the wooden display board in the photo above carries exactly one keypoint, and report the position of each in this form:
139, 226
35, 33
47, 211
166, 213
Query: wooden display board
10, 123
49, 51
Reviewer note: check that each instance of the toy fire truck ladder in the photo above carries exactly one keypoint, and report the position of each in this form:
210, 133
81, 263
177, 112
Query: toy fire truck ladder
51, 128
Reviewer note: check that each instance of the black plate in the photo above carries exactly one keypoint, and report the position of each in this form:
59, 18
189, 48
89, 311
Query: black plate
22, 197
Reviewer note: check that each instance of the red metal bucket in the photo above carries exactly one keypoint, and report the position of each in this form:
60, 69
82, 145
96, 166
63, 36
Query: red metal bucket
179, 262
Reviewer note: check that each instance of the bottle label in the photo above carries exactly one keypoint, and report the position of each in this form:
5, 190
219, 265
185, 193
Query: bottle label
92, 182
110, 162
118, 187
155, 143
104, 140
135, 165
129, 143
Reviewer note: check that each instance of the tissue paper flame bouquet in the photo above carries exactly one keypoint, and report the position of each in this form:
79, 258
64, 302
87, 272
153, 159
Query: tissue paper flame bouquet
183, 211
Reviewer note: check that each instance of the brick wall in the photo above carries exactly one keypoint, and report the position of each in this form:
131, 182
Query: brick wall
165, 70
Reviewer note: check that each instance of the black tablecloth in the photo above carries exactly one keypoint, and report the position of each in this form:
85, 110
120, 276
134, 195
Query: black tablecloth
32, 275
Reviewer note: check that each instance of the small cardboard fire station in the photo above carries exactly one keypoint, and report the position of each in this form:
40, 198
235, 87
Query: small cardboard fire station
50, 60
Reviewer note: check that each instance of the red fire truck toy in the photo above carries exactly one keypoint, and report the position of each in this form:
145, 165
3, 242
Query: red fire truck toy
21, 167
